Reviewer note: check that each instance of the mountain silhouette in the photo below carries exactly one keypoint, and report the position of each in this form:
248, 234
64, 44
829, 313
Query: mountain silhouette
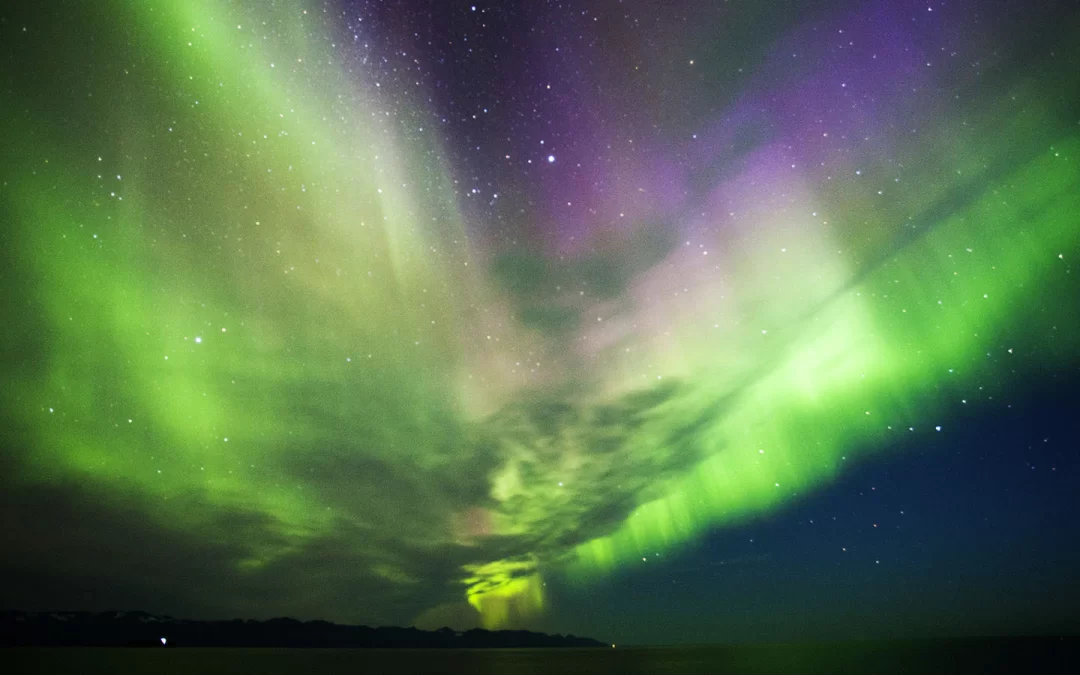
140, 629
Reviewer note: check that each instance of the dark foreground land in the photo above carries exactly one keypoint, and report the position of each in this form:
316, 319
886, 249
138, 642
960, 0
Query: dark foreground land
991, 655
139, 629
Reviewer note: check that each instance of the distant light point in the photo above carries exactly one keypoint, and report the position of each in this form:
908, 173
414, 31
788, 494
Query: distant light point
551, 159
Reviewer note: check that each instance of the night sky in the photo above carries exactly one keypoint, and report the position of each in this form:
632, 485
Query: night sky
650, 320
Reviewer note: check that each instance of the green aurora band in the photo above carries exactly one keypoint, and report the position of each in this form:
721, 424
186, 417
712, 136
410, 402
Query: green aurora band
240, 285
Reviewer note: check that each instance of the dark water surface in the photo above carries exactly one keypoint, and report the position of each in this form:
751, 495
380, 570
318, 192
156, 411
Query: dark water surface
956, 656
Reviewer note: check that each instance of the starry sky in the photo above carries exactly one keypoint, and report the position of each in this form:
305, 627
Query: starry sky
680, 321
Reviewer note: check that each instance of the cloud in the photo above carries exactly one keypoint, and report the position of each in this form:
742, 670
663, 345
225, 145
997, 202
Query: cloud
460, 616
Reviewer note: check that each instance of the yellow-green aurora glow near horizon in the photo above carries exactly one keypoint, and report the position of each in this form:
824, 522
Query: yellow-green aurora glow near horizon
254, 298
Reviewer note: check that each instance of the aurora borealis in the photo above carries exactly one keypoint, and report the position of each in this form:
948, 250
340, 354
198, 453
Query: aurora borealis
368, 310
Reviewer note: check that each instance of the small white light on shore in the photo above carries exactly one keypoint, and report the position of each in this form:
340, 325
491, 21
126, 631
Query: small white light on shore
163, 641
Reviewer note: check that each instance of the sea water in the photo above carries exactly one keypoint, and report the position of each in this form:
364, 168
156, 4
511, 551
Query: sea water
1013, 655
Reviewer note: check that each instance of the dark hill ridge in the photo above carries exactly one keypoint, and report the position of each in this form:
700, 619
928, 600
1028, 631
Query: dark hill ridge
117, 629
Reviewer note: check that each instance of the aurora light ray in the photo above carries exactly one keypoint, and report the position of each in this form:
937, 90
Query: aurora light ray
248, 291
